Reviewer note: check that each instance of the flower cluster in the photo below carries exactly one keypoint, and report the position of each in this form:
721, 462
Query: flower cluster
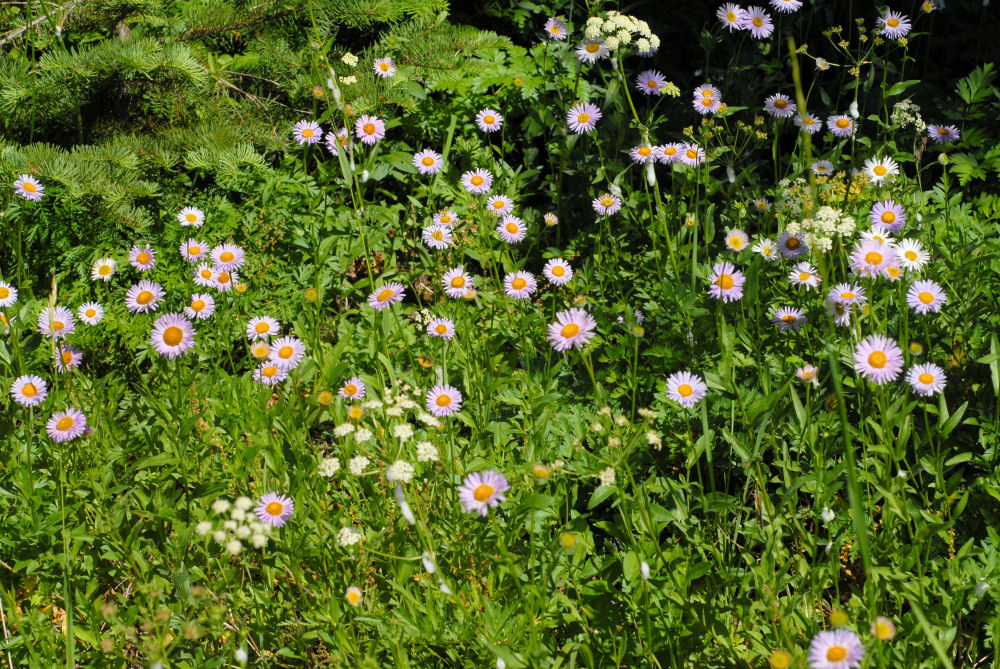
617, 31
819, 230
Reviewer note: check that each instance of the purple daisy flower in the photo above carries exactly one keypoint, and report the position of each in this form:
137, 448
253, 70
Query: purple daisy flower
443, 400
878, 359
274, 509
66, 425
482, 490
573, 329
172, 335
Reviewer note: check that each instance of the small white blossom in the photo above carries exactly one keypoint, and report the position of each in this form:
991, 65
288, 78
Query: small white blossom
607, 476
427, 452
348, 536
343, 429
203, 528
220, 506
358, 464
234, 547
403, 431
328, 467
362, 435
400, 470
828, 515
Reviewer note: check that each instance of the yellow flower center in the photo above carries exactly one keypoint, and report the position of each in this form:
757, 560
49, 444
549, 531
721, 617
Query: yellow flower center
274, 508
836, 653
260, 351
191, 218
30, 187
29, 390
593, 47
66, 357
512, 228
842, 123
926, 297
206, 273
707, 102
57, 325
892, 271
781, 103
350, 390
943, 131
880, 170
437, 235
731, 17
788, 318
427, 161
104, 270
145, 297
725, 282
735, 242
384, 294
810, 121
65, 423
445, 218
926, 379
847, 295
443, 400
143, 258
311, 294
518, 283
384, 67
307, 133
441, 328
286, 352
888, 217
804, 276
892, 23
873, 258
262, 327
173, 336
910, 255
91, 312
476, 181
877, 359
567, 540
489, 120
541, 471
570, 330
223, 277
653, 83
583, 117
269, 371
558, 270
757, 21
369, 128
499, 204
685, 390
353, 596
483, 492
780, 660
356, 412
227, 256
458, 282
670, 151
691, 154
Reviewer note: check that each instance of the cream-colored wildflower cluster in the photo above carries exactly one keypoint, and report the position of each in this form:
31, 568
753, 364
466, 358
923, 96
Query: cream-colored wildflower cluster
906, 113
819, 230
618, 31
240, 525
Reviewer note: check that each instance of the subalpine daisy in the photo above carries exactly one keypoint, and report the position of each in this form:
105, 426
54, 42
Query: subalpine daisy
889, 214
66, 425
477, 182
642, 155
808, 123
840, 125
353, 389
103, 269
880, 234
489, 120
202, 306
789, 318
29, 390
262, 327
841, 312
556, 29
880, 169
706, 99
143, 258
67, 358
668, 153
519, 285
591, 52
651, 82
274, 509
225, 281
926, 379
557, 271
29, 188
427, 162
737, 240
910, 254
498, 205
384, 67
191, 216
550, 219
686, 388
607, 204
573, 329
56, 322
780, 105
731, 16
369, 129
758, 22
8, 294
193, 250
172, 335
457, 283
848, 294
337, 141
791, 246
307, 132
878, 359
287, 352
260, 349
386, 296
90, 313
806, 372
822, 168
786, 6
143, 297
437, 236
726, 282
512, 229
822, 64
443, 400
836, 649
204, 275
871, 258
943, 134
804, 274
441, 327
227, 257
482, 490
353, 595
926, 296
269, 374
583, 117
767, 249
692, 155
447, 217
894, 25
883, 629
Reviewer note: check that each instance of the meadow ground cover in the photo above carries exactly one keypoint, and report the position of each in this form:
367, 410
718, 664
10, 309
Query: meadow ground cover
430, 346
